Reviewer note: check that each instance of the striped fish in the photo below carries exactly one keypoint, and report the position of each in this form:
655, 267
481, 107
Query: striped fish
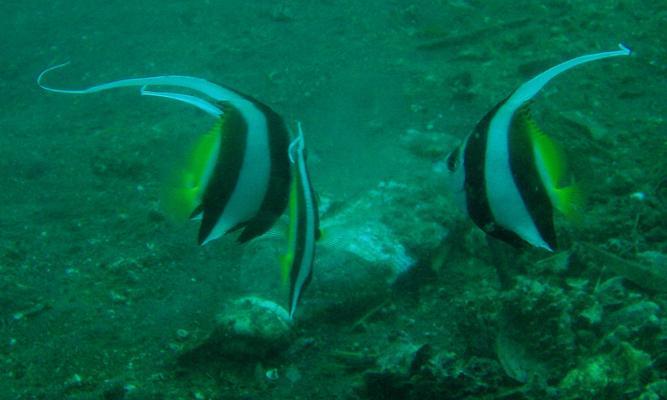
238, 174
509, 176
304, 223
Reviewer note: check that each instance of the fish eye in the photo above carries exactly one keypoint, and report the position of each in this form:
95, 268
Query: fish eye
453, 160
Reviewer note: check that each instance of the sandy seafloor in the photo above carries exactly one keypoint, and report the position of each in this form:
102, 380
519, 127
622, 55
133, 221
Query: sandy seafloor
95, 281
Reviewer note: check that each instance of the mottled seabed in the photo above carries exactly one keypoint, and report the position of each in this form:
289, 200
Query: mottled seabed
100, 292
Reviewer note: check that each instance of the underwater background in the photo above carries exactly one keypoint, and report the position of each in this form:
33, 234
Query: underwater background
103, 296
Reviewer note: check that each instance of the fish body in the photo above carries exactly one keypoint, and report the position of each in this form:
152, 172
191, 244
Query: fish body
238, 174
509, 176
304, 231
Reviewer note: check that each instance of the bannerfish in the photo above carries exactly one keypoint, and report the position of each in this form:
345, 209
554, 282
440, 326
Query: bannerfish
509, 176
238, 174
304, 224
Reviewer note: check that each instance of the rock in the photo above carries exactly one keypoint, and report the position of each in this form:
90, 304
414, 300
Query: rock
350, 276
558, 264
607, 375
656, 390
657, 260
293, 374
650, 275
366, 245
415, 372
363, 230
516, 360
636, 318
395, 368
611, 293
592, 314
536, 338
249, 328
398, 358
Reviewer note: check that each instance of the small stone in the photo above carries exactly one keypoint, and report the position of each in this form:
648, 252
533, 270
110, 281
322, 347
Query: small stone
182, 334
292, 374
74, 381
118, 298
639, 196
249, 327
635, 317
272, 374
593, 314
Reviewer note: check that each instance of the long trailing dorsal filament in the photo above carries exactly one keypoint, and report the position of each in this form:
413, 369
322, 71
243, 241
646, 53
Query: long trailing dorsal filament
185, 98
209, 89
296, 145
529, 89
502, 190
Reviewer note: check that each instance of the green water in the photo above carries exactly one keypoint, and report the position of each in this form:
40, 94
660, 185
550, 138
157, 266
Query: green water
101, 293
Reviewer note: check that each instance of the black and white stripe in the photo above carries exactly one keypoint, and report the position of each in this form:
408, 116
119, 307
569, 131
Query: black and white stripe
247, 187
494, 173
256, 160
304, 224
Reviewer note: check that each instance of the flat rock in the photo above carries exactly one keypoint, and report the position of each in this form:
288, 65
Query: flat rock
248, 328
